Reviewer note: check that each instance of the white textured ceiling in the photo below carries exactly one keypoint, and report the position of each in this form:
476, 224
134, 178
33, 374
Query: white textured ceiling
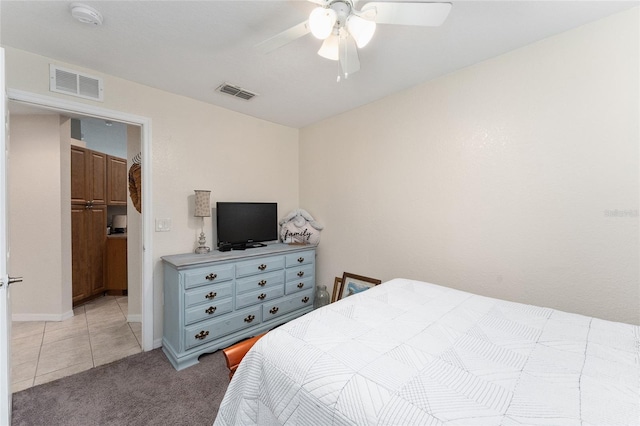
191, 47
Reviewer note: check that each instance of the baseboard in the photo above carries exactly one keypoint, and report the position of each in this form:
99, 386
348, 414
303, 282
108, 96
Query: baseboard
134, 318
42, 317
67, 315
157, 343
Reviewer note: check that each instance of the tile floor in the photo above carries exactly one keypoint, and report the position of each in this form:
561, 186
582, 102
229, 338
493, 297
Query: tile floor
97, 334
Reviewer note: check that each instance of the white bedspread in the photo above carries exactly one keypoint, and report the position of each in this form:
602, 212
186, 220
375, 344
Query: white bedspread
408, 352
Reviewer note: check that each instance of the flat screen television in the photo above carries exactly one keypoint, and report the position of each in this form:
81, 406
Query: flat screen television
245, 225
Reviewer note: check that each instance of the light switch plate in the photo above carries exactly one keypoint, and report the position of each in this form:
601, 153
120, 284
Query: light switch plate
163, 225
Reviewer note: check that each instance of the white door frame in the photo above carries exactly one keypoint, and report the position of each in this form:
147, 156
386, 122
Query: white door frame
5, 302
62, 105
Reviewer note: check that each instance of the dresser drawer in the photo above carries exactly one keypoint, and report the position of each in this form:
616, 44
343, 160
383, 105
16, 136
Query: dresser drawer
256, 282
259, 296
287, 304
203, 332
298, 273
208, 310
207, 294
208, 275
258, 266
299, 285
297, 259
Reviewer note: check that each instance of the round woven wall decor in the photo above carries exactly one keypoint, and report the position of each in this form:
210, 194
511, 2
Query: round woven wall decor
135, 186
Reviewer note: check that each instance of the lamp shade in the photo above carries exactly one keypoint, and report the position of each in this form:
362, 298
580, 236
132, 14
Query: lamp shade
330, 48
203, 204
360, 29
321, 22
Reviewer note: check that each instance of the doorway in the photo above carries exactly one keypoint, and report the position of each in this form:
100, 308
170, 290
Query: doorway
143, 124
51, 340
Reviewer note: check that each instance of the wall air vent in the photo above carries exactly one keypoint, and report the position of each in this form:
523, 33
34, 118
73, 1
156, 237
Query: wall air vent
236, 91
70, 82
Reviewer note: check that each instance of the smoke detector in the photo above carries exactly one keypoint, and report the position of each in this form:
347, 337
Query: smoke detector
86, 14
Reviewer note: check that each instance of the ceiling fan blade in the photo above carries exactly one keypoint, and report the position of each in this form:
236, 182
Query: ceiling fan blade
287, 36
368, 14
319, 2
349, 61
420, 14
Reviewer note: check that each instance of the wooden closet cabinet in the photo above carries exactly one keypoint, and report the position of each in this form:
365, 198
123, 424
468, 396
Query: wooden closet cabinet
116, 264
117, 181
97, 180
88, 242
88, 176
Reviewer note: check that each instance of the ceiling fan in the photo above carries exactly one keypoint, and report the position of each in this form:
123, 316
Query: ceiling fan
344, 29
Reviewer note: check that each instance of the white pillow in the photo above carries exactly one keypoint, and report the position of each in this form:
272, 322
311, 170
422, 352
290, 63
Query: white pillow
299, 227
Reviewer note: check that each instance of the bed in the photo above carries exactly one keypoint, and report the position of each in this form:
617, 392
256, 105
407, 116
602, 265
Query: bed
408, 352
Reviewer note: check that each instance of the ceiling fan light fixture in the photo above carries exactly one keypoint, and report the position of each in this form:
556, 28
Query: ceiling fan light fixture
321, 22
330, 48
361, 30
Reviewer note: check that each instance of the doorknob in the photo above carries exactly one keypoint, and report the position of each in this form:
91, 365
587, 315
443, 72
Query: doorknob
12, 280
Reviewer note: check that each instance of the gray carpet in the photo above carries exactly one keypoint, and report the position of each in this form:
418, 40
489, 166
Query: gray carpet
142, 389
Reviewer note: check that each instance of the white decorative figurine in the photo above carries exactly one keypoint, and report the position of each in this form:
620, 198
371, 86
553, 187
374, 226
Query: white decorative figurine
298, 227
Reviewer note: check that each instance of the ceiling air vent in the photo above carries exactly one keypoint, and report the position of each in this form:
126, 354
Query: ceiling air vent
69, 82
236, 91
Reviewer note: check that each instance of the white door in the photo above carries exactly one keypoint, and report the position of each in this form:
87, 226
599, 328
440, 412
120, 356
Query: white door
5, 306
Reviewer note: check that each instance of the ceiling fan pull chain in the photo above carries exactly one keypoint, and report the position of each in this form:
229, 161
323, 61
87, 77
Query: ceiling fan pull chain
346, 57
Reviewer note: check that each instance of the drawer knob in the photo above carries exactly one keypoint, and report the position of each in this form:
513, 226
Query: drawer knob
273, 310
262, 267
211, 295
262, 296
301, 273
202, 335
305, 299
211, 277
250, 318
262, 283
300, 285
300, 259
210, 309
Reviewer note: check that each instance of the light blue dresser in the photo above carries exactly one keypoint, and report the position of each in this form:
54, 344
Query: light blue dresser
214, 300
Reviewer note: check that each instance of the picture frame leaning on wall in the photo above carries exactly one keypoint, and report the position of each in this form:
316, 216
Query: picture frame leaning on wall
352, 284
337, 285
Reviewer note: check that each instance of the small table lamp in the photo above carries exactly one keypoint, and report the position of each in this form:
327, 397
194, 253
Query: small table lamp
203, 209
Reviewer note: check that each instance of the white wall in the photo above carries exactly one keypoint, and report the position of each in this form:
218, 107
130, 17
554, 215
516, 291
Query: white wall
65, 217
195, 145
99, 137
496, 179
134, 237
35, 219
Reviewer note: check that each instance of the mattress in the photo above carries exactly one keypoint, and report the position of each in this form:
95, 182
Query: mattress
408, 352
